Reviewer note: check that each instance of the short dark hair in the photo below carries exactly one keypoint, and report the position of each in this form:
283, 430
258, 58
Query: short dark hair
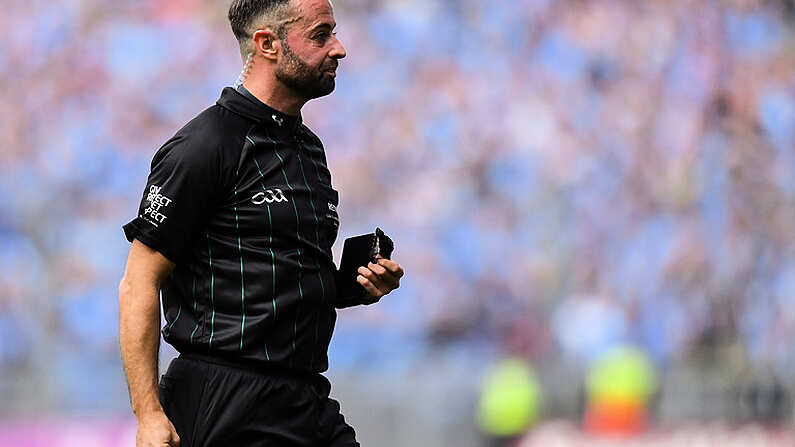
244, 14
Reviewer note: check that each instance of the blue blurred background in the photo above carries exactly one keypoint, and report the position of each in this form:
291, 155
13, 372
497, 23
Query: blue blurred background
561, 178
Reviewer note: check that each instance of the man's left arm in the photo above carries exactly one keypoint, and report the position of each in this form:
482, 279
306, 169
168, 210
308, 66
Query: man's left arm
380, 278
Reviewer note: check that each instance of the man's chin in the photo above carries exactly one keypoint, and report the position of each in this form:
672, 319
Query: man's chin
331, 87
309, 89
325, 89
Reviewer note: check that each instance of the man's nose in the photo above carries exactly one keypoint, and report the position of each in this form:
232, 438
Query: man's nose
337, 50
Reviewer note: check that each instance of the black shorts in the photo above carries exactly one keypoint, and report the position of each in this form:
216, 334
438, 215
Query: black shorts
217, 404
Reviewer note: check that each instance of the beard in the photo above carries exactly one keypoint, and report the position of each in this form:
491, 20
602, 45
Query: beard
307, 81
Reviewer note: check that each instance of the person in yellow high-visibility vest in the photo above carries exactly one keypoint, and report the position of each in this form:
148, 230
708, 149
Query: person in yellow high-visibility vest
619, 386
510, 401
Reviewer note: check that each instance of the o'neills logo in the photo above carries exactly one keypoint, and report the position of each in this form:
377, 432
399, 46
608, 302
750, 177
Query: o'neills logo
269, 196
156, 206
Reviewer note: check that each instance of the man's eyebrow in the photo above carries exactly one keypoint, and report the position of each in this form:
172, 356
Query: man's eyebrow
326, 25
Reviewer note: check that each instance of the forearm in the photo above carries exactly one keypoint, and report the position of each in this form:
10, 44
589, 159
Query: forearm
139, 338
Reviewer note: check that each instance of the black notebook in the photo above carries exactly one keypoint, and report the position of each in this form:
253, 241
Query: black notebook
357, 252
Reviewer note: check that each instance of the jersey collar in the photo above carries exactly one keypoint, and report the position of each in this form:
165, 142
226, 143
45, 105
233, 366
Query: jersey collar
242, 102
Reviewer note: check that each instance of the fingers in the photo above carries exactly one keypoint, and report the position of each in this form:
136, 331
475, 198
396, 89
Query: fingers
372, 278
384, 275
175, 441
380, 278
155, 430
370, 288
393, 267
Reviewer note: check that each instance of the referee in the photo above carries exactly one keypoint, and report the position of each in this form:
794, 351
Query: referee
235, 230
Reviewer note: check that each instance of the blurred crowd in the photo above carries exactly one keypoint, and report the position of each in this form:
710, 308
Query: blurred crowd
560, 178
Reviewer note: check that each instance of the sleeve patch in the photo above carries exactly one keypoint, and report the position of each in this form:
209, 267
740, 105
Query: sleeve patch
156, 206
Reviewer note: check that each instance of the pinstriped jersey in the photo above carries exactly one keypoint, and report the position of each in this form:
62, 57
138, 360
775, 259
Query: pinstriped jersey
241, 200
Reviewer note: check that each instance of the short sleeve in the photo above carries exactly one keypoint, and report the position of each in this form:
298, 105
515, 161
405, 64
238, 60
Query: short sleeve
180, 193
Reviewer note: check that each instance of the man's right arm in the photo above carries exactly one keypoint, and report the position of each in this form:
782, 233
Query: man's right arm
139, 338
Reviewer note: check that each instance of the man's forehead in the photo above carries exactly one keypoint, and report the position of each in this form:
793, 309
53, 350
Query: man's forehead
313, 12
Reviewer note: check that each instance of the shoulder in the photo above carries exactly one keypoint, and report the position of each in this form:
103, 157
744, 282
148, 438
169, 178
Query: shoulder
307, 134
216, 128
213, 137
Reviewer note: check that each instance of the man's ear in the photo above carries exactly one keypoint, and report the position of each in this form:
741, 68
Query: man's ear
266, 43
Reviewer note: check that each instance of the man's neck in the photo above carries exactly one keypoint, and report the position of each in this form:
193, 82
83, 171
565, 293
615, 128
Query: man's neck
275, 96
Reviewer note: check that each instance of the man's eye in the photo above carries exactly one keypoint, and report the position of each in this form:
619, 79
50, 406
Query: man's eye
324, 36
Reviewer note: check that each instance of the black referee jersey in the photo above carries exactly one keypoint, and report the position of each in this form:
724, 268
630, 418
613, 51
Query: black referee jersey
240, 199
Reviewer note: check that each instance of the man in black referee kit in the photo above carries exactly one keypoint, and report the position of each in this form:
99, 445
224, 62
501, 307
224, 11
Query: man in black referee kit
235, 229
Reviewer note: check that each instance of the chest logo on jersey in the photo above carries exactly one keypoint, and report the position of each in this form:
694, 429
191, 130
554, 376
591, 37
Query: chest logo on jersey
269, 196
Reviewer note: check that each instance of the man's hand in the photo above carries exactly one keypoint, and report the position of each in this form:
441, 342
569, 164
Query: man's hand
155, 430
381, 278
